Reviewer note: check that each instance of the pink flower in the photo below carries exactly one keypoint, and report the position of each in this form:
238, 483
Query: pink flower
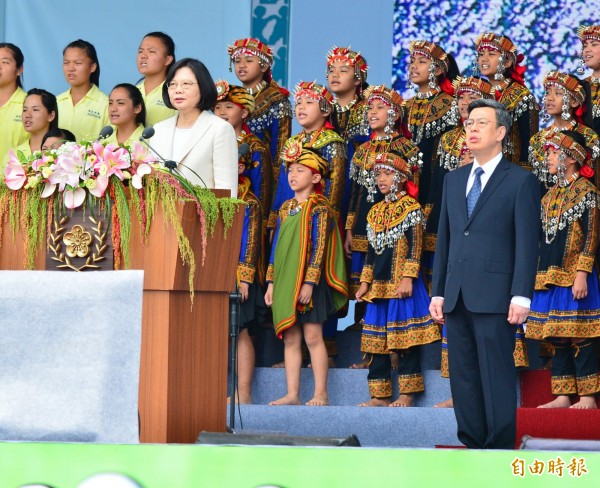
112, 160
140, 154
67, 168
14, 173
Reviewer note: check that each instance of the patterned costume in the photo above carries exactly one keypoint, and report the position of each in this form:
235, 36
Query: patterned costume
517, 99
248, 270
364, 192
306, 249
350, 119
569, 244
592, 33
395, 230
573, 91
271, 119
324, 141
428, 116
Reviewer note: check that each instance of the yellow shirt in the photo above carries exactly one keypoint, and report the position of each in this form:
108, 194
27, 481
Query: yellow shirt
156, 110
87, 118
12, 132
134, 137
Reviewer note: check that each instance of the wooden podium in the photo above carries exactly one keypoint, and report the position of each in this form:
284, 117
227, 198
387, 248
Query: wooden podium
183, 370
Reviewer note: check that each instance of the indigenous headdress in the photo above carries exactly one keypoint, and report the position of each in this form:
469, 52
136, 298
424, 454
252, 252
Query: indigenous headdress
393, 161
571, 88
431, 51
389, 160
472, 84
315, 91
386, 95
391, 98
251, 47
439, 59
586, 32
566, 82
295, 153
507, 50
351, 58
235, 94
563, 142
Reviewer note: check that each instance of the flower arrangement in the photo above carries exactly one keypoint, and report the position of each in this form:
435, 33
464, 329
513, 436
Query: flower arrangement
119, 180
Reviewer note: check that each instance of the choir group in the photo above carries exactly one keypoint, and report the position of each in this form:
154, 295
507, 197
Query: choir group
349, 207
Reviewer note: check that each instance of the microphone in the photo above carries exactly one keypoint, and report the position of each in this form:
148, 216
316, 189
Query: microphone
147, 133
105, 133
171, 165
243, 149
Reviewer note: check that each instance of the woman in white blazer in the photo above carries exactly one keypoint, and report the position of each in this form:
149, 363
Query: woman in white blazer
203, 145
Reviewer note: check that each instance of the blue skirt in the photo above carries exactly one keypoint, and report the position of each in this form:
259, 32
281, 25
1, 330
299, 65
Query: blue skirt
399, 323
554, 313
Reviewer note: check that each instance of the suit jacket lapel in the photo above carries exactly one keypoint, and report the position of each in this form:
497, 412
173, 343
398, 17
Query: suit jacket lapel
497, 176
200, 127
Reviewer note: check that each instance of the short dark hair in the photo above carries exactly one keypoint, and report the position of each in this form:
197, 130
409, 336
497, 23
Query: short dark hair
208, 91
136, 98
90, 52
18, 57
503, 118
167, 41
64, 134
49, 102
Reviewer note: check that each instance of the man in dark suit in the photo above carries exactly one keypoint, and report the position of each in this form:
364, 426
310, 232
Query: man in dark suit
483, 277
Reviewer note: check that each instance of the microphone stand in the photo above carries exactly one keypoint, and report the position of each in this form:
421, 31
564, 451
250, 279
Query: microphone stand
234, 328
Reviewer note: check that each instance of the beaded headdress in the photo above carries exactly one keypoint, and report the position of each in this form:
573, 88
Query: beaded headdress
392, 161
563, 142
251, 47
431, 51
489, 40
235, 94
351, 58
566, 82
315, 91
586, 32
475, 85
295, 153
386, 95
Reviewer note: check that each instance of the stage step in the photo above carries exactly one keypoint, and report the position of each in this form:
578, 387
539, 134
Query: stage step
374, 427
347, 387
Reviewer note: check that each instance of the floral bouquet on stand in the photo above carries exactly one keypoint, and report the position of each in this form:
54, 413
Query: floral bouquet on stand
114, 178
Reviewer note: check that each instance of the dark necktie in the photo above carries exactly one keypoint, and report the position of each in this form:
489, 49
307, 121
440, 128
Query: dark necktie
474, 192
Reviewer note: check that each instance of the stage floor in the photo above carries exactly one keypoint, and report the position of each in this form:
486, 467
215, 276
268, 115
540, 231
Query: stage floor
175, 466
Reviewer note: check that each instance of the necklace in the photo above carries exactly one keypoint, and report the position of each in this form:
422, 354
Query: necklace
339, 109
501, 86
294, 207
257, 88
428, 94
572, 124
311, 137
554, 209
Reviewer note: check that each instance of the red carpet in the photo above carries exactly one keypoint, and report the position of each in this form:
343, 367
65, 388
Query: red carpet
535, 388
551, 423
